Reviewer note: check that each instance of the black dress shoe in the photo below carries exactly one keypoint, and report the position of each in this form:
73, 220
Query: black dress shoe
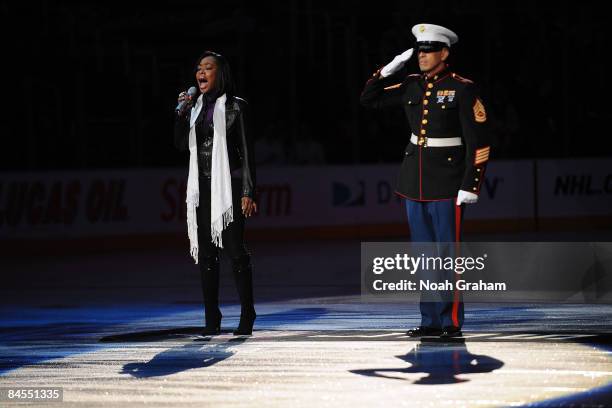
451, 331
423, 331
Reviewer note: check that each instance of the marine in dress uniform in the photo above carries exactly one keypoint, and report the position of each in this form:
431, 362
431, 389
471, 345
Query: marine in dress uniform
445, 158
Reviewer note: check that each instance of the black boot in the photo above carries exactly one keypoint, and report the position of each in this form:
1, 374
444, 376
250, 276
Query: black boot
243, 274
209, 270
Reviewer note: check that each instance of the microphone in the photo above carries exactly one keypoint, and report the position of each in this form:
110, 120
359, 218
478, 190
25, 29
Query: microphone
191, 92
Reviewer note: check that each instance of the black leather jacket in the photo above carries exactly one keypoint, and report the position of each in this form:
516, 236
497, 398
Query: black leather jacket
239, 142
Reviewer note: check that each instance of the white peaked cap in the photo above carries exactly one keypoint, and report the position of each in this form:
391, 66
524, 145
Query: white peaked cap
432, 32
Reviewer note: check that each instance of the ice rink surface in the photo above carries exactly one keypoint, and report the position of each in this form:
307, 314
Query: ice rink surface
121, 329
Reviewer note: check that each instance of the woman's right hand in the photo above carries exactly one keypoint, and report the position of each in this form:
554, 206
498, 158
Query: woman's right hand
182, 96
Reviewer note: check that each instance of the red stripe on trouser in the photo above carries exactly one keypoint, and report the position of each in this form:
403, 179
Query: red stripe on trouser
456, 291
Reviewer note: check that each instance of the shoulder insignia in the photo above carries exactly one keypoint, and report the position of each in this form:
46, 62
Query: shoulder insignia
480, 115
462, 79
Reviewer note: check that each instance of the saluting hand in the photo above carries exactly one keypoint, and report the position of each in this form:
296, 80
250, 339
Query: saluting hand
397, 63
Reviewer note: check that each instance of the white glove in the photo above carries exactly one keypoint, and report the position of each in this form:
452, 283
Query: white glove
397, 63
466, 197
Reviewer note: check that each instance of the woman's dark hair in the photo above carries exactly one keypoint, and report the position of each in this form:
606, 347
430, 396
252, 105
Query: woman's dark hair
224, 83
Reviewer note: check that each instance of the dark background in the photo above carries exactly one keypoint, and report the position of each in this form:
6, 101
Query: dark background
94, 84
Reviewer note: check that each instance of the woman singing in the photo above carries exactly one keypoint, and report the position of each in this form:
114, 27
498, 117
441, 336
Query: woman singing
213, 127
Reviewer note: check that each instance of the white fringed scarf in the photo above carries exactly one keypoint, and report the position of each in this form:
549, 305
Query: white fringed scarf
221, 211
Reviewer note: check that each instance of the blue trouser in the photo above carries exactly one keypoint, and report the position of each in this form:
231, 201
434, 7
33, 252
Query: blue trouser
438, 221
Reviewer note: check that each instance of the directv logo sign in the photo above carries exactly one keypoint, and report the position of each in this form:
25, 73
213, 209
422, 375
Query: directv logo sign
345, 196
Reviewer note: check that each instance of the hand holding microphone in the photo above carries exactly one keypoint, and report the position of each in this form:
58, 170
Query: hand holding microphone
185, 100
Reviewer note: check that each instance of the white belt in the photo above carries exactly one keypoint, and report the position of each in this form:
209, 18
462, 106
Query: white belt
437, 141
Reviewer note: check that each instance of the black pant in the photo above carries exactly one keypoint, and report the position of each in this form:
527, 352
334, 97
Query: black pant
233, 235
233, 245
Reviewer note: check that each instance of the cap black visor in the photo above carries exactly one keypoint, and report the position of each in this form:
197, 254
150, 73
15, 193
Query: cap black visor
430, 46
